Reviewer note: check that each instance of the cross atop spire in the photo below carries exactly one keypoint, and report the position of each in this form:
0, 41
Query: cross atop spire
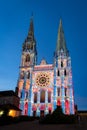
61, 44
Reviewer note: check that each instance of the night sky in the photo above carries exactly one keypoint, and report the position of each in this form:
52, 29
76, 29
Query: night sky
14, 25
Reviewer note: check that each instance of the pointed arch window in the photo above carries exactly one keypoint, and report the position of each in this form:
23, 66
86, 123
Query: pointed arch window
49, 97
67, 111
21, 95
58, 91
58, 73
35, 97
42, 96
65, 91
28, 76
61, 63
26, 108
26, 95
27, 58
65, 72
67, 63
22, 75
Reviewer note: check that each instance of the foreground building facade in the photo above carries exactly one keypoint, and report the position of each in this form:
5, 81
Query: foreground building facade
41, 88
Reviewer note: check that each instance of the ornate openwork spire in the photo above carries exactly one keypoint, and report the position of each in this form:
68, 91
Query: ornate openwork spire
28, 44
61, 44
31, 30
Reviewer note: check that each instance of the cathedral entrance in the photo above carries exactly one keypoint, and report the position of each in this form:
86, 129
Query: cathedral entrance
41, 113
49, 111
34, 113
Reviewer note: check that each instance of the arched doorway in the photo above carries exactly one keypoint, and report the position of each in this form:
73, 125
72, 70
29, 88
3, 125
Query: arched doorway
34, 110
67, 107
26, 108
42, 109
58, 102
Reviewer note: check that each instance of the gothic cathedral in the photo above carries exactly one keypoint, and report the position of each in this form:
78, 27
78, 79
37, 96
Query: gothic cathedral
42, 87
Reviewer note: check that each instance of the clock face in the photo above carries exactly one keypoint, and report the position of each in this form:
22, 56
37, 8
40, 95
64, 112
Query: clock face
42, 79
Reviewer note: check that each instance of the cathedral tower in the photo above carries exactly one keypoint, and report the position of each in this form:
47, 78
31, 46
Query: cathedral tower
28, 60
29, 53
63, 86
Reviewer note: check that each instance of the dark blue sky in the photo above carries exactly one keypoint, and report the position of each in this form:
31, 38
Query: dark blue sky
14, 24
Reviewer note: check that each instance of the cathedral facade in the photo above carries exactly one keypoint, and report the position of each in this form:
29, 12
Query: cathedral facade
42, 87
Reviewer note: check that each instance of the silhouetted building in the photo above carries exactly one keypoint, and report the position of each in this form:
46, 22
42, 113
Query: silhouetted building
9, 102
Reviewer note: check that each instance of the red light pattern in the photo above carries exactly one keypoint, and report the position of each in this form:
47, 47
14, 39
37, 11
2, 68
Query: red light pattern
66, 106
58, 102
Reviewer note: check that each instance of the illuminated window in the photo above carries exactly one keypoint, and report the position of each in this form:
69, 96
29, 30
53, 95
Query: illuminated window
35, 97
42, 96
12, 113
1, 113
49, 96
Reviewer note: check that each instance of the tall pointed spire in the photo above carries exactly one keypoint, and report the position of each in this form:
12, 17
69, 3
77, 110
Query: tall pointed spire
31, 30
61, 44
30, 36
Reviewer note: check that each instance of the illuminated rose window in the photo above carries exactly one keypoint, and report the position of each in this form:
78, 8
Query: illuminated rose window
42, 79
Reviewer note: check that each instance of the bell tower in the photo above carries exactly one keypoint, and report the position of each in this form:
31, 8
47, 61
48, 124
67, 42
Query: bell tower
63, 86
28, 61
29, 53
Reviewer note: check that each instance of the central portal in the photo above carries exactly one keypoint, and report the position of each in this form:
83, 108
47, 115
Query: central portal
41, 113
